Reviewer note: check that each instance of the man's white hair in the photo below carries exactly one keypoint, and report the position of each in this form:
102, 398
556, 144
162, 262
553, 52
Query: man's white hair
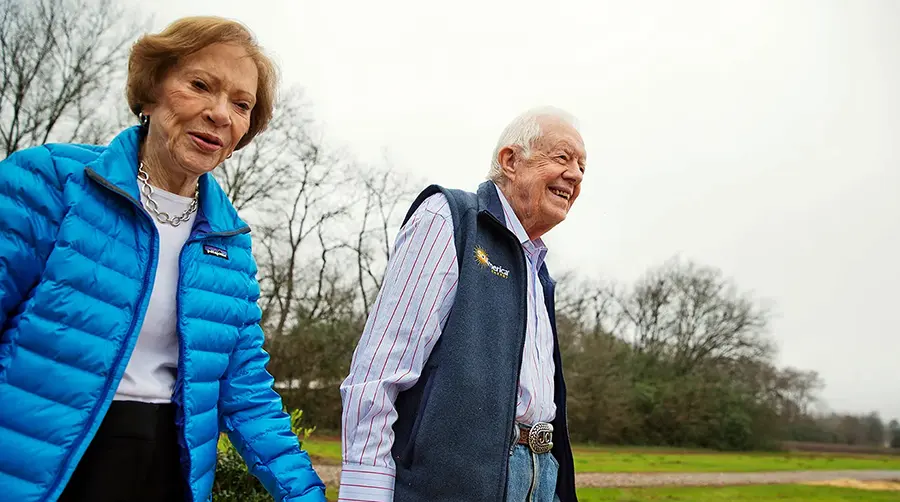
523, 131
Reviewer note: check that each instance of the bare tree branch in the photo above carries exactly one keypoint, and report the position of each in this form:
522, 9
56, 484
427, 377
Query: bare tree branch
60, 58
273, 161
377, 213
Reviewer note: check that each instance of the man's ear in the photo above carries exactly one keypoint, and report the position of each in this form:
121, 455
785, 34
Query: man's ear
508, 157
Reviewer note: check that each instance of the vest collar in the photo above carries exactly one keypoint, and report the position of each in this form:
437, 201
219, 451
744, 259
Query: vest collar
489, 201
492, 200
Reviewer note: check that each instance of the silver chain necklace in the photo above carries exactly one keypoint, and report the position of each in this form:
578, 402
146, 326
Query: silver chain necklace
152, 206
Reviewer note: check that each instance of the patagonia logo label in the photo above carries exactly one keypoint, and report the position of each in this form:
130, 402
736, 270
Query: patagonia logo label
219, 252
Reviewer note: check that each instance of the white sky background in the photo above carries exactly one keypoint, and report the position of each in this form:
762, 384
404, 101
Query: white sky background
758, 137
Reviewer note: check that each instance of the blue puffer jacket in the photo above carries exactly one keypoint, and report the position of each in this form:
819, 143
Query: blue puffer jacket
77, 263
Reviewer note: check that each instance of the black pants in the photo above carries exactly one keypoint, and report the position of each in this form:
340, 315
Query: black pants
133, 457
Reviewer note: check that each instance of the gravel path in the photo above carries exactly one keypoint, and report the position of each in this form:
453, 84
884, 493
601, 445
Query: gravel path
330, 474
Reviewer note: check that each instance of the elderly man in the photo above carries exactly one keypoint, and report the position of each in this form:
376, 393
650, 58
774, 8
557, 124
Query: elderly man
456, 391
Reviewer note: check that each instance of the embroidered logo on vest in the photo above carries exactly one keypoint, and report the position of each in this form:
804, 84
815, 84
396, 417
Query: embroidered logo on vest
212, 250
481, 257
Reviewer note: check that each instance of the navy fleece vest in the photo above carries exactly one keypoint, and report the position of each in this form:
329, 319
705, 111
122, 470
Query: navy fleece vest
453, 435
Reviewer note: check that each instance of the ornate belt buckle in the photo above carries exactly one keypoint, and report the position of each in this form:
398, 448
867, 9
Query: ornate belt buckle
540, 438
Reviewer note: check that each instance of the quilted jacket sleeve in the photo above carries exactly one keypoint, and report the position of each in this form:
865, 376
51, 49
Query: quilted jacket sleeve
31, 208
251, 412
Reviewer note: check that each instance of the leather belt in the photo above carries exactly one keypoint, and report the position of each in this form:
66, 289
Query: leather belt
538, 438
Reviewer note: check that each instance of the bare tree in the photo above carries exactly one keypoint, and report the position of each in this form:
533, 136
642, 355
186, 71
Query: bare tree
288, 185
60, 59
691, 314
590, 303
800, 388
290, 217
323, 282
385, 195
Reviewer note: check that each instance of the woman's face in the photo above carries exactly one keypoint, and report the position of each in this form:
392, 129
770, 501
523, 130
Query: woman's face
203, 109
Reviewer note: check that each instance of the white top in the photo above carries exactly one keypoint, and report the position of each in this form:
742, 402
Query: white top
403, 327
151, 371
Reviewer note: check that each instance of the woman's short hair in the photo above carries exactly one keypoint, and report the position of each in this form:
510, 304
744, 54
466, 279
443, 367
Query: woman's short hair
153, 55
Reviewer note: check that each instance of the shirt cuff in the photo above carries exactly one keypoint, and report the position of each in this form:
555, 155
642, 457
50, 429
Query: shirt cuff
366, 483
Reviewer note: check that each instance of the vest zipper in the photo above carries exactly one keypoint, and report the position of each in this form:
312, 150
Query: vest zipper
131, 329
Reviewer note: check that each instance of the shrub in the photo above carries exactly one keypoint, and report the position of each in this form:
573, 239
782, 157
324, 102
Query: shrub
234, 483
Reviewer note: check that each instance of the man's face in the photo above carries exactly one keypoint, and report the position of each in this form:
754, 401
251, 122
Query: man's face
542, 188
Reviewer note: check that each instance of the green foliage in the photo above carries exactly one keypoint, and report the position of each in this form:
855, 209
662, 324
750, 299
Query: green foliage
234, 483
620, 396
859, 431
314, 357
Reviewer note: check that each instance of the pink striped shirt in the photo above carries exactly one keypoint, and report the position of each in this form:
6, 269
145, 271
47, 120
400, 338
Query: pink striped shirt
408, 317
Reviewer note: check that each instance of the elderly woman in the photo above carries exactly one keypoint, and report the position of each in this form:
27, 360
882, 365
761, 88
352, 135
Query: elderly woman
128, 298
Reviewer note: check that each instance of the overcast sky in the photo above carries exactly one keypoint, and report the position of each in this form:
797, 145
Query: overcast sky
758, 137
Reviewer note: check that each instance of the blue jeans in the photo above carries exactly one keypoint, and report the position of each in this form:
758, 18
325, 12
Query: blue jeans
532, 477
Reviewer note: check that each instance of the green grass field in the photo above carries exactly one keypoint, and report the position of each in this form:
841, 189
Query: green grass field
323, 450
779, 493
593, 459
598, 459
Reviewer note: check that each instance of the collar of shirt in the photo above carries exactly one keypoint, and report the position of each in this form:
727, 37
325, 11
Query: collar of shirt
535, 249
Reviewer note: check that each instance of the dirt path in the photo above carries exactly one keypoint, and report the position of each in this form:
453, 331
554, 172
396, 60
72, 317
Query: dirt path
330, 474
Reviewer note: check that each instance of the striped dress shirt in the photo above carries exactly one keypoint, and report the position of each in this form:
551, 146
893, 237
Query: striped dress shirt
408, 317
